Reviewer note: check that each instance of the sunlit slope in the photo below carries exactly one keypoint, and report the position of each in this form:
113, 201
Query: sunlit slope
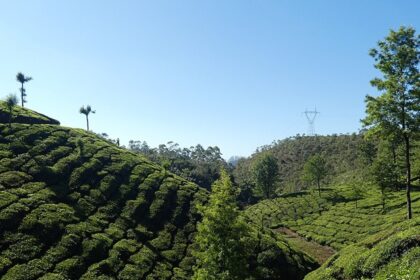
394, 253
371, 242
74, 206
333, 219
23, 115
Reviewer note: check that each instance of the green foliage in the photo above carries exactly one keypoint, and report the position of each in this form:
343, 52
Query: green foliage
74, 206
391, 254
222, 250
86, 111
11, 101
394, 115
86, 209
195, 164
315, 170
22, 79
333, 219
346, 155
23, 115
265, 174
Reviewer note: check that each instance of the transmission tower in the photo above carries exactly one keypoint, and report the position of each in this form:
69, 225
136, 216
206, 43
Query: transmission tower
311, 116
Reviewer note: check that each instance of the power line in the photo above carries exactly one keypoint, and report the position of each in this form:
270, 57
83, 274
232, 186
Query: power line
311, 116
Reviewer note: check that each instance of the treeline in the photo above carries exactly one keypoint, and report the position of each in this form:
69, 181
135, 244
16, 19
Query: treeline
340, 152
197, 164
353, 159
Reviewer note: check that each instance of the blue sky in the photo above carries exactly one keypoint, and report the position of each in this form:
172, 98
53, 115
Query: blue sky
236, 74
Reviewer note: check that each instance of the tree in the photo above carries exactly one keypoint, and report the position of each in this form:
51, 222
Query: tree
315, 170
86, 111
21, 78
395, 113
221, 236
11, 101
244, 179
384, 173
266, 171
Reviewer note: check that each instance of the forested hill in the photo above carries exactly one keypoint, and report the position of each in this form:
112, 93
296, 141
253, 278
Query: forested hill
343, 153
75, 206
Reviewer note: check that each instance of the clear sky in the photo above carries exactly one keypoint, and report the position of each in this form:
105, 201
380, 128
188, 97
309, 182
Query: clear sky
236, 74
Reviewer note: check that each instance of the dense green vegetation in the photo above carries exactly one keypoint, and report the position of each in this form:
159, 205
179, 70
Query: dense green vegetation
196, 164
223, 238
23, 115
392, 254
73, 205
344, 154
333, 219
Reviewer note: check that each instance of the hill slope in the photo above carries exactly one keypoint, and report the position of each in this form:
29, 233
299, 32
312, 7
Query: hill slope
24, 115
392, 254
343, 153
74, 206
370, 241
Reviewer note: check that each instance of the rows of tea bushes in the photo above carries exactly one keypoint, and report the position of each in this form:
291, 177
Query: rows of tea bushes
23, 115
333, 219
75, 206
393, 253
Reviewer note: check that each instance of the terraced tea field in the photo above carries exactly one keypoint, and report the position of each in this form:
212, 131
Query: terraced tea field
392, 254
333, 218
74, 206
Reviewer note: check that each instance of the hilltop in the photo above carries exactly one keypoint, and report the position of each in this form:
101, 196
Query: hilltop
24, 115
75, 206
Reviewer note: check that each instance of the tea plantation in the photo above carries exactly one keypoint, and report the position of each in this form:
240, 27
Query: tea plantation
74, 206
385, 237
392, 254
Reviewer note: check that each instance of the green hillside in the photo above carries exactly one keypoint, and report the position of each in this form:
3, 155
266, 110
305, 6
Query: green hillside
24, 115
345, 155
334, 221
392, 254
74, 206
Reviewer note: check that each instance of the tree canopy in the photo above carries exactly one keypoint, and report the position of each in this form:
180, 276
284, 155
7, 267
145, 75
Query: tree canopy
86, 111
222, 250
266, 174
22, 79
395, 112
315, 170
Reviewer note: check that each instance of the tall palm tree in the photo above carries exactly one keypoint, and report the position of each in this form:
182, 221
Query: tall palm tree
21, 78
11, 101
86, 111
